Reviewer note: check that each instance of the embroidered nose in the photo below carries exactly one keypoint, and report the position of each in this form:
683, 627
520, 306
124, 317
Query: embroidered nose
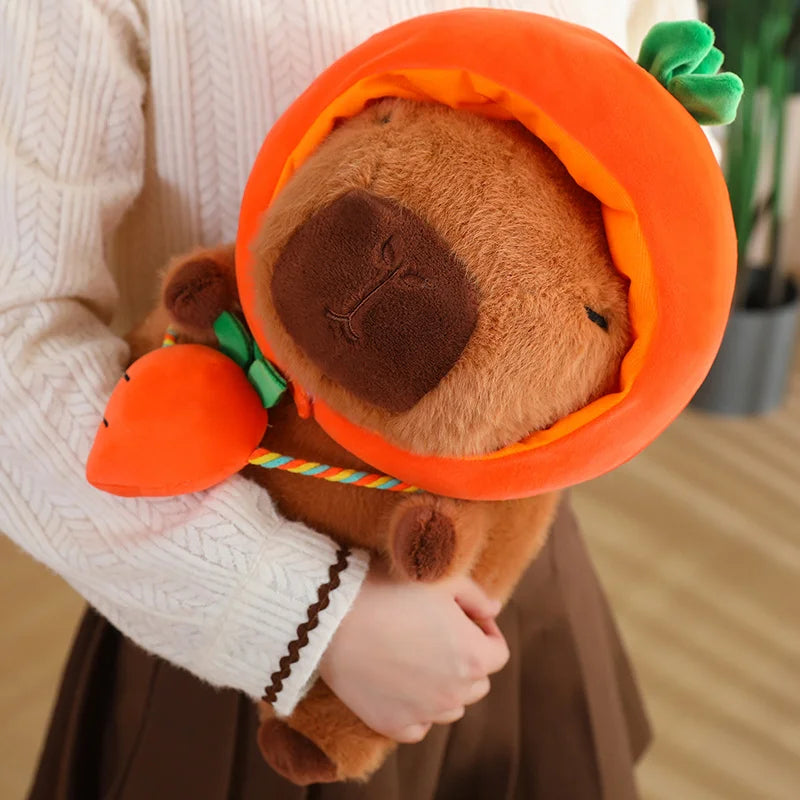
375, 298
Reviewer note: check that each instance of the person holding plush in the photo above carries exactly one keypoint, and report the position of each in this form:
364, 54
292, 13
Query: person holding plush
131, 129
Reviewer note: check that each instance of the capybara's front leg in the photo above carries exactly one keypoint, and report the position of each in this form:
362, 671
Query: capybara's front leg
321, 741
433, 537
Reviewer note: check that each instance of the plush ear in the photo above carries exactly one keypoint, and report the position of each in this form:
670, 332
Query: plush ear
199, 286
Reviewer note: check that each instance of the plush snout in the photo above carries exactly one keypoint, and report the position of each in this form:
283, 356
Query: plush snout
375, 298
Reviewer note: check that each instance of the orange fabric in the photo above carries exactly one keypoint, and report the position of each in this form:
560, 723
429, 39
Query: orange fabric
186, 419
625, 139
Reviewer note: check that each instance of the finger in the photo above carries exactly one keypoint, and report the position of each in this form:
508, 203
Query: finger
490, 652
446, 717
477, 691
411, 733
475, 603
488, 626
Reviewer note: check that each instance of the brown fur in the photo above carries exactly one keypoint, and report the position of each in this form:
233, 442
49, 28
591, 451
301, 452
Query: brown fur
533, 242
288, 748
534, 245
376, 298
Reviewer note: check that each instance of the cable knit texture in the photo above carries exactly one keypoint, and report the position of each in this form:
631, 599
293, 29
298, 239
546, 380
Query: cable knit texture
128, 129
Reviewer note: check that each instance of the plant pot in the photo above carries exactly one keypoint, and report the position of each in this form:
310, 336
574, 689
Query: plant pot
751, 370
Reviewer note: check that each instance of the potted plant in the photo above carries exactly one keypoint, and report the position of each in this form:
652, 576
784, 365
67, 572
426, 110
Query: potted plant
762, 45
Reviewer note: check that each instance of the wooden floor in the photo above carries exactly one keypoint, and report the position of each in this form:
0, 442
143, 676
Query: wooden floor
38, 613
698, 543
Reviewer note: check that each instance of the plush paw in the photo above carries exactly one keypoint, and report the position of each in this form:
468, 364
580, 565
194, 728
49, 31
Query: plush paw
293, 755
197, 287
321, 742
198, 293
424, 543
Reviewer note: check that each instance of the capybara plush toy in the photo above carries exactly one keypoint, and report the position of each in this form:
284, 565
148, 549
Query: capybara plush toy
470, 250
440, 277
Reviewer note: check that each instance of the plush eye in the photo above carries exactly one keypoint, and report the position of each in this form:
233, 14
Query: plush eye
598, 319
382, 109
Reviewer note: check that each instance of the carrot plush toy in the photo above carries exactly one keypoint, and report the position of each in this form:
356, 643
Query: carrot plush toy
484, 257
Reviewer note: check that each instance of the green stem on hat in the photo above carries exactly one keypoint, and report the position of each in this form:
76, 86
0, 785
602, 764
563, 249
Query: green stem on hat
682, 57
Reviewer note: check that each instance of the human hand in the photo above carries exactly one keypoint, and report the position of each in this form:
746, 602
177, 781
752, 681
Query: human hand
409, 655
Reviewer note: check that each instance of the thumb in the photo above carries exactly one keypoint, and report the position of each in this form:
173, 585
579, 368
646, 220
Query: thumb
474, 601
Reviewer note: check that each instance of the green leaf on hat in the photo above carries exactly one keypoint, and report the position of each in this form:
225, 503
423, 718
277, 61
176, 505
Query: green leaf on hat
708, 98
682, 57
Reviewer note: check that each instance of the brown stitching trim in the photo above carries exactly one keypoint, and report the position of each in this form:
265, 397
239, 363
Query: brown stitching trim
323, 601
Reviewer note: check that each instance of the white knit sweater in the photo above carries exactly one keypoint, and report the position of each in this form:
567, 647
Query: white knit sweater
128, 130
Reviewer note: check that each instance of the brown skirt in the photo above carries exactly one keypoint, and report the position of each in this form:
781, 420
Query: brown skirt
563, 720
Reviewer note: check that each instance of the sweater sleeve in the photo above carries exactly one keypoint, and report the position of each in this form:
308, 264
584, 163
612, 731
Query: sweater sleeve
217, 582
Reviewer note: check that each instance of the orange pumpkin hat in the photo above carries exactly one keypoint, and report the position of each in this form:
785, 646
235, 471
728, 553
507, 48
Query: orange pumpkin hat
625, 138
185, 418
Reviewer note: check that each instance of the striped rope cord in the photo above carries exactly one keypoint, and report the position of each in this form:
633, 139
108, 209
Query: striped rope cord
313, 469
